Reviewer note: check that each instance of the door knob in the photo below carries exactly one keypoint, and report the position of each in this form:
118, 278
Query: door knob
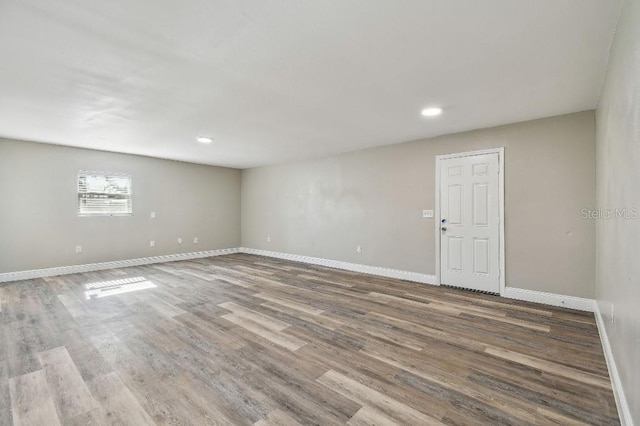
443, 229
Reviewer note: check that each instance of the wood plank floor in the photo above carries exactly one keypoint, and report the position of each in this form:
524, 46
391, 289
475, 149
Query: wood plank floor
243, 339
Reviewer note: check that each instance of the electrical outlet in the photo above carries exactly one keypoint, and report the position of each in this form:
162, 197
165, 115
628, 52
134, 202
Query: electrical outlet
153, 215
179, 240
195, 240
78, 249
152, 243
359, 249
268, 239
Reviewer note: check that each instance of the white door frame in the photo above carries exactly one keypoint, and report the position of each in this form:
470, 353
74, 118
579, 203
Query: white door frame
500, 152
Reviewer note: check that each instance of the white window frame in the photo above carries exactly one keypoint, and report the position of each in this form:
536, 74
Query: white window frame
85, 213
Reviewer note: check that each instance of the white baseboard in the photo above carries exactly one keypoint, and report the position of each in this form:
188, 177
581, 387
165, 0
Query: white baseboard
74, 269
510, 292
355, 267
618, 392
552, 299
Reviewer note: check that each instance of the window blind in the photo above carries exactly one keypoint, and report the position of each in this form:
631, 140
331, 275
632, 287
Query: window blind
104, 194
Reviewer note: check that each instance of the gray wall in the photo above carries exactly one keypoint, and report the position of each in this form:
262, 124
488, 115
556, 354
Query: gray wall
374, 198
618, 176
39, 225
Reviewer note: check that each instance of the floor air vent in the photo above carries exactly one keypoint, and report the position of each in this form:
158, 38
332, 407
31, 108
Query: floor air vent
470, 289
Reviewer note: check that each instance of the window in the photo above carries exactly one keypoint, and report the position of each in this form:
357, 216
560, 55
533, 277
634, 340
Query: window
104, 194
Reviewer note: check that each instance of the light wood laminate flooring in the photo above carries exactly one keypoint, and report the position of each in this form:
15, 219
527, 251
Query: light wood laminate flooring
243, 339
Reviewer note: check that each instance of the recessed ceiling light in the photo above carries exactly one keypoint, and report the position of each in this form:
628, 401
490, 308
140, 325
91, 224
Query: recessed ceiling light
204, 139
432, 112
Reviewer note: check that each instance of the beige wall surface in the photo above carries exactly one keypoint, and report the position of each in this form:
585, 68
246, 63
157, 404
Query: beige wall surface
375, 197
40, 227
618, 176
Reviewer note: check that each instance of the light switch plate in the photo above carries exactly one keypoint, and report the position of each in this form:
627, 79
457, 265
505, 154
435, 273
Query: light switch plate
153, 215
427, 213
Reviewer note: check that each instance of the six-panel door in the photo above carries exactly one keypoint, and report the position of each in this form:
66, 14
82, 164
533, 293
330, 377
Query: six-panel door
469, 228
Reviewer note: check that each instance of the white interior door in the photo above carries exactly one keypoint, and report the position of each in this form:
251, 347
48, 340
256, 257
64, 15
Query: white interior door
470, 222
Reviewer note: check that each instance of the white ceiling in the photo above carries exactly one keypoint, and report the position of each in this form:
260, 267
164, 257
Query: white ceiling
278, 80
